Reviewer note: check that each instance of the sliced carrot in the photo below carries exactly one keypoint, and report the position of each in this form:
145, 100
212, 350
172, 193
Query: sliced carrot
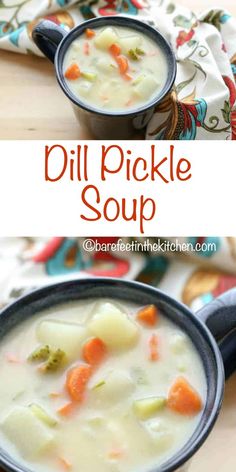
94, 351
116, 453
72, 72
148, 315
77, 379
153, 346
90, 33
115, 49
122, 64
86, 48
129, 103
54, 395
13, 359
127, 77
65, 463
183, 398
66, 409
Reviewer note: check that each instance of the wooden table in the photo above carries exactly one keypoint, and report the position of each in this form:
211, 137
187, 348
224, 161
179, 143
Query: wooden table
33, 107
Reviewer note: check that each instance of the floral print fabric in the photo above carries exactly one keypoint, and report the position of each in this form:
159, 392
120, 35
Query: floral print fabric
194, 276
202, 103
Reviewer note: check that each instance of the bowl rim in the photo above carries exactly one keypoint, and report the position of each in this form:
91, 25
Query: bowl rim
188, 451
123, 21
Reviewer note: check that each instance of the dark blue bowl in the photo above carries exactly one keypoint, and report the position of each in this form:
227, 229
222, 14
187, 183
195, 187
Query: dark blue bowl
53, 41
48, 297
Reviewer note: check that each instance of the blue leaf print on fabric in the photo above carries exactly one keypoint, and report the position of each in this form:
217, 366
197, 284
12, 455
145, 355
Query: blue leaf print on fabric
224, 18
15, 35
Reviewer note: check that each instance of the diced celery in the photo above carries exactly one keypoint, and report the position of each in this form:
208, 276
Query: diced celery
42, 415
148, 407
89, 76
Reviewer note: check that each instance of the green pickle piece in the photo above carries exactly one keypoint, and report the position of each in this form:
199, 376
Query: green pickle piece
55, 361
42, 415
42, 353
133, 55
148, 407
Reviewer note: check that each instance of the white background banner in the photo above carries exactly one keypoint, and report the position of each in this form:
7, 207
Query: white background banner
148, 188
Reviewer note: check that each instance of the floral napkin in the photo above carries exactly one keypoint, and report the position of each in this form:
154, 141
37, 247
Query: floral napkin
202, 104
204, 268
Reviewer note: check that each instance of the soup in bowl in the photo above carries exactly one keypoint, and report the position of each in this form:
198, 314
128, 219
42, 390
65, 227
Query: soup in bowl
105, 374
113, 69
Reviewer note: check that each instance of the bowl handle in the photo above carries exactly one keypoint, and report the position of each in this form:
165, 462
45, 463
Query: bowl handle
47, 36
220, 318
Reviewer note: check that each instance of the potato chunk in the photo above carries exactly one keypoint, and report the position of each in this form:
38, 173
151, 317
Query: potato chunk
27, 432
116, 385
178, 343
66, 336
131, 42
161, 434
115, 329
106, 38
145, 87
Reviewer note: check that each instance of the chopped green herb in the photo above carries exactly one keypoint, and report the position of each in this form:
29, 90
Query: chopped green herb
99, 384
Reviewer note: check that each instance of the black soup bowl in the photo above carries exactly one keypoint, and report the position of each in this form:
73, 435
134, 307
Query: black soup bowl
212, 331
53, 41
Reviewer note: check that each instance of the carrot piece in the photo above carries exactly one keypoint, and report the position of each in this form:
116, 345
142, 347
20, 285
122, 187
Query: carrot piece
183, 398
54, 395
65, 463
129, 103
90, 33
122, 64
13, 359
148, 315
127, 77
66, 409
94, 351
116, 453
77, 379
115, 49
72, 72
86, 48
153, 345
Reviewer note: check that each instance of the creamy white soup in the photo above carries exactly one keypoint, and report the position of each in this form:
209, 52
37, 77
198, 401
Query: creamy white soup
115, 68
100, 386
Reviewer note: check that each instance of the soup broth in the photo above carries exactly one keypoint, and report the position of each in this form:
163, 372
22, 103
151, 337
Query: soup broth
100, 386
115, 68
